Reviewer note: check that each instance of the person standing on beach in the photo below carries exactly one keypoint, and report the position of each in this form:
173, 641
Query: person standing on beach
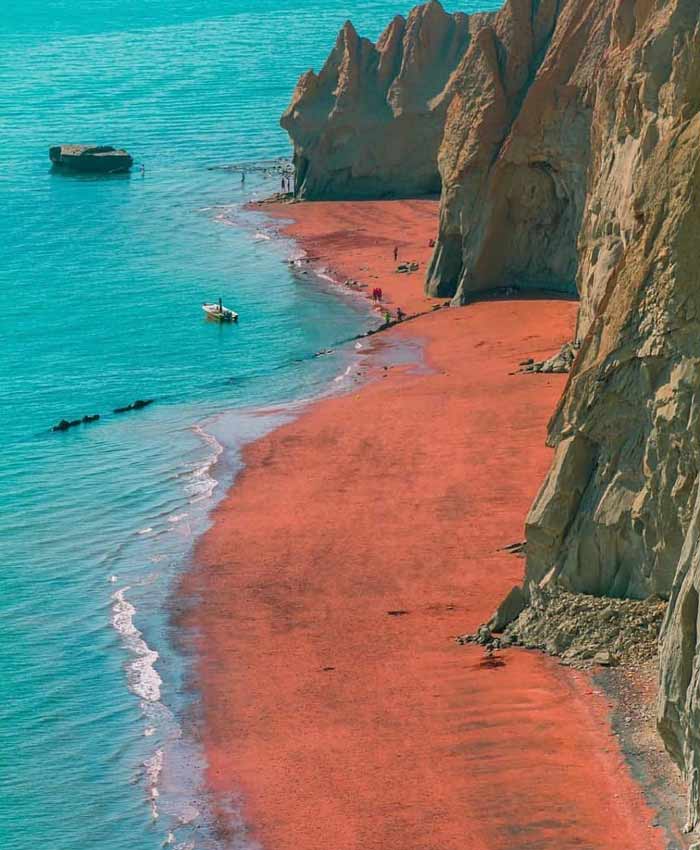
396, 253
379, 293
242, 177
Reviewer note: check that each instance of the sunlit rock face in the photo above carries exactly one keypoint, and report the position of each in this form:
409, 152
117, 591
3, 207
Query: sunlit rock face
516, 149
369, 125
615, 510
565, 138
619, 512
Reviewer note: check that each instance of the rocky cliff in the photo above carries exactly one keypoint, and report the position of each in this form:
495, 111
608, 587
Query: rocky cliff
371, 122
569, 156
618, 514
515, 151
612, 516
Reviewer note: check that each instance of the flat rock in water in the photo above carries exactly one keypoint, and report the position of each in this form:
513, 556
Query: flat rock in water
91, 159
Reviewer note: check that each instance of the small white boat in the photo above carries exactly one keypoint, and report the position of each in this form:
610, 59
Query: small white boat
219, 313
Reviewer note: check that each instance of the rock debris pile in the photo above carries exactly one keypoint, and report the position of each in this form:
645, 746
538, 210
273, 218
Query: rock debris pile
560, 362
581, 630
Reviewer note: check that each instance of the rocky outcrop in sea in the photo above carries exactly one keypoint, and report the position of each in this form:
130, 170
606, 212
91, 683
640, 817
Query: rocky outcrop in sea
563, 137
91, 159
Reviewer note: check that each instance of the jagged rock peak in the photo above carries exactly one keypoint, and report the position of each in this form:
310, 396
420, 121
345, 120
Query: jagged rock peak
515, 152
370, 123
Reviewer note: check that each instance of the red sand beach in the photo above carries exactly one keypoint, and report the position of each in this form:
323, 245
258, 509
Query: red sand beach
338, 722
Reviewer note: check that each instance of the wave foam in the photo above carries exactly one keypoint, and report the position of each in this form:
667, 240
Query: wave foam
345, 374
177, 517
141, 675
153, 767
202, 484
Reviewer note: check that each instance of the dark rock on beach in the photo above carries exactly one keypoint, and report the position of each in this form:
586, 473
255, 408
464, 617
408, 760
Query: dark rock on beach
91, 159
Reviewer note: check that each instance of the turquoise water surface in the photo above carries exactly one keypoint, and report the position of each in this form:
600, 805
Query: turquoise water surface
100, 286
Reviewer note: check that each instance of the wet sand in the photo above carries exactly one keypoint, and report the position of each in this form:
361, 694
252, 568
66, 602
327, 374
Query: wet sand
339, 713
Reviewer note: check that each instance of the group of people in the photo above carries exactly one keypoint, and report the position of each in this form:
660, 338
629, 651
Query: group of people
376, 294
400, 316
286, 181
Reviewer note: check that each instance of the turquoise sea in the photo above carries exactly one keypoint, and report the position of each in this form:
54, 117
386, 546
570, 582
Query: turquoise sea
101, 281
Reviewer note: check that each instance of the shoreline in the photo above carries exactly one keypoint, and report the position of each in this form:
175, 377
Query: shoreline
326, 607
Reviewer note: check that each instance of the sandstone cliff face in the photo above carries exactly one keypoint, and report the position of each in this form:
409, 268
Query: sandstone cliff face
567, 136
494, 109
370, 123
515, 152
612, 516
619, 511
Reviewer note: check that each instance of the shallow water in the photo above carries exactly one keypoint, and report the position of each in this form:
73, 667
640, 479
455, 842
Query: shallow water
100, 286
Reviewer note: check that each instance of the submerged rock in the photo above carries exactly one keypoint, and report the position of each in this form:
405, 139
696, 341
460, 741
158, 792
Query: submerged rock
65, 424
91, 159
139, 404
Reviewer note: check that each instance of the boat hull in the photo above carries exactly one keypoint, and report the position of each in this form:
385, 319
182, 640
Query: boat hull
213, 313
